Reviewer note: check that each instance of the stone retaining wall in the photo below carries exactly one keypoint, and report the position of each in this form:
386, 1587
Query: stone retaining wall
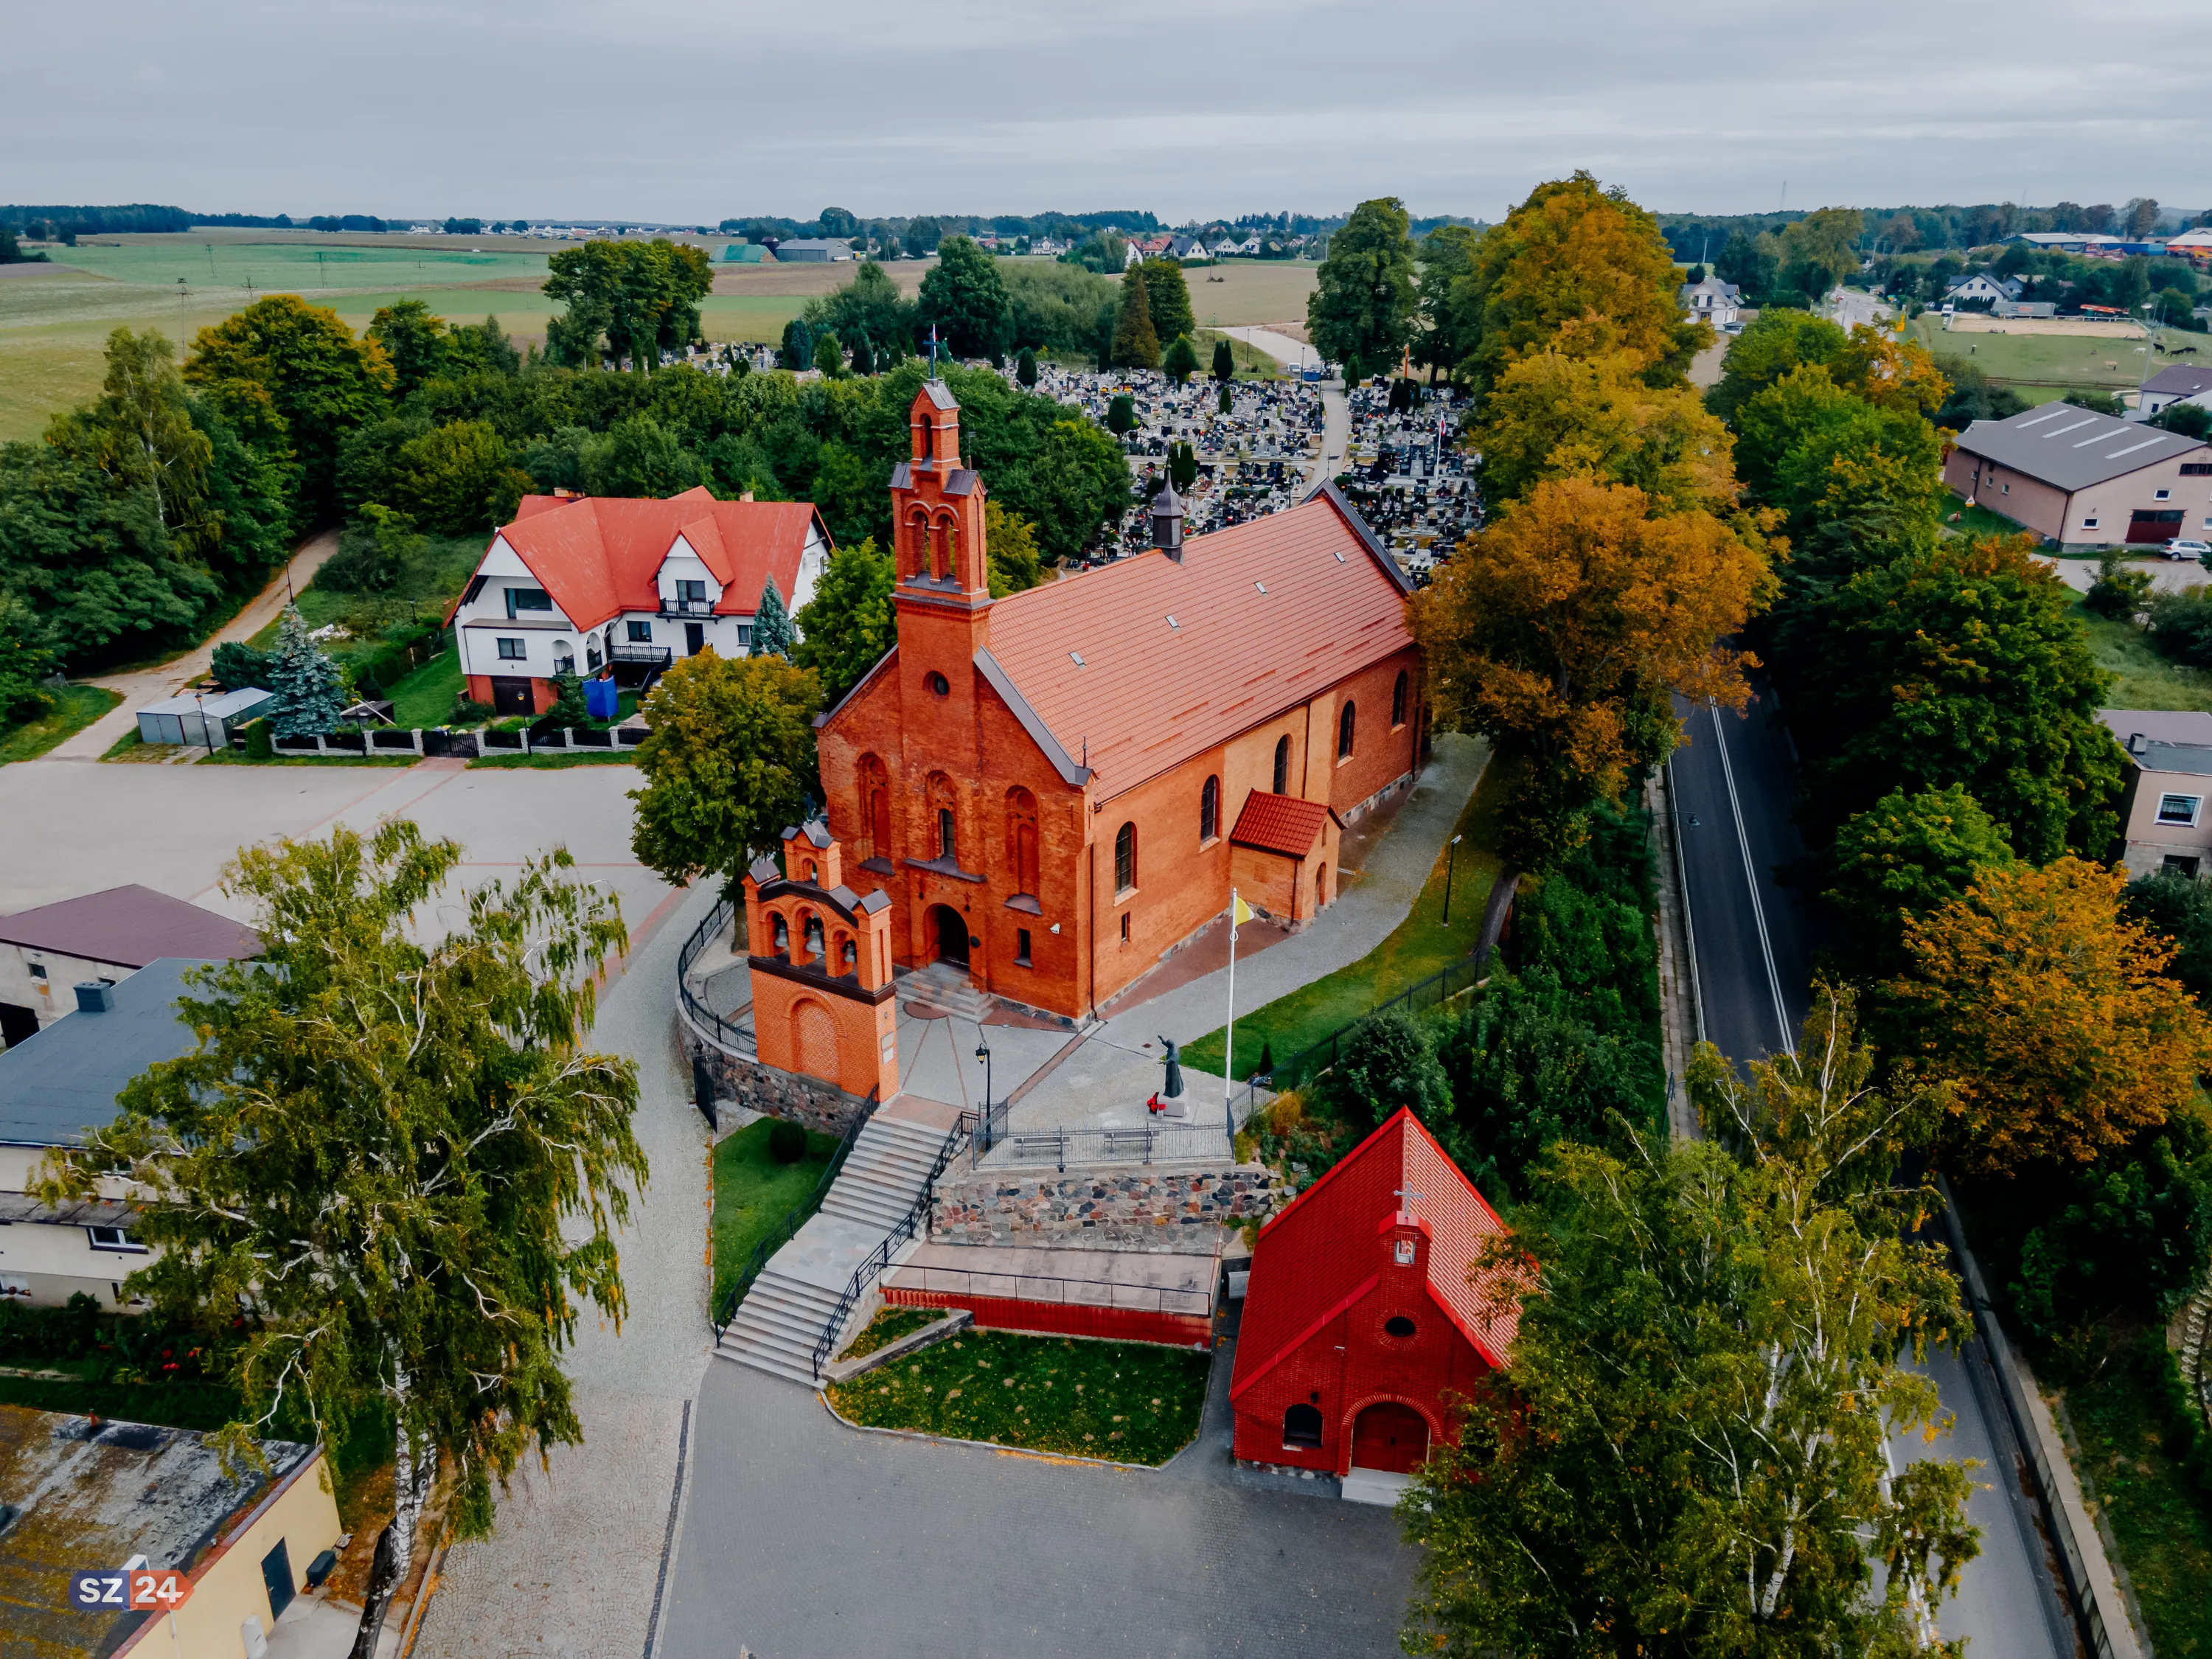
820, 1106
1179, 1208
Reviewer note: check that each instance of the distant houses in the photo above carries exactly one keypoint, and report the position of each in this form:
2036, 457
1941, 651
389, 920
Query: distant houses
1710, 300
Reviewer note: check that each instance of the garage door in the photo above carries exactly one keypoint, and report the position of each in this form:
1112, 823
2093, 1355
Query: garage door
2155, 527
512, 696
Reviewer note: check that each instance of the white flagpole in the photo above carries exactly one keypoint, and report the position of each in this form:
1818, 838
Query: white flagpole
1228, 1062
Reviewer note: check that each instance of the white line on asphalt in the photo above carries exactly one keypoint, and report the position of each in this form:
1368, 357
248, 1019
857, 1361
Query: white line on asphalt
1751, 881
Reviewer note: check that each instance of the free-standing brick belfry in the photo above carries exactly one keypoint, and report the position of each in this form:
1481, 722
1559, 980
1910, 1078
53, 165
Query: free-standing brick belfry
820, 955
1056, 789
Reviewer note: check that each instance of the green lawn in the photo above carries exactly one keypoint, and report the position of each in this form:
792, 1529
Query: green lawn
1130, 1401
753, 1193
1419, 946
73, 709
426, 697
560, 762
239, 757
2045, 366
2163, 1527
887, 1327
2143, 679
1978, 521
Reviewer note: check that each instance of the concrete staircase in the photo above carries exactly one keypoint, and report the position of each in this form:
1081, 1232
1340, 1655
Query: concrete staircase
782, 1317
946, 985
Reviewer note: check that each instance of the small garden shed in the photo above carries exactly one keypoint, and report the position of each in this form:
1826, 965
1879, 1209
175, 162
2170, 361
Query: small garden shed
1363, 1312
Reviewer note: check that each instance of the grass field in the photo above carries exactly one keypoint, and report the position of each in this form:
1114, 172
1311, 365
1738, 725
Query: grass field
2142, 678
753, 1193
74, 710
2042, 366
1417, 947
54, 322
1129, 1401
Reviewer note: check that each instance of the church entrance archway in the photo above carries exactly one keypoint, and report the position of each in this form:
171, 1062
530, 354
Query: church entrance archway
952, 929
1389, 1437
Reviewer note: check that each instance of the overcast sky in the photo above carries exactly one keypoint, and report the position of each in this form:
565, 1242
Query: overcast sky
692, 109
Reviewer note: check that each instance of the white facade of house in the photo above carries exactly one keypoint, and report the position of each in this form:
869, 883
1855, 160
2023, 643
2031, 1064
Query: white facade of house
1979, 287
1712, 300
511, 626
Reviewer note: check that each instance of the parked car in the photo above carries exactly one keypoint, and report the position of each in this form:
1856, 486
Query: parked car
2183, 547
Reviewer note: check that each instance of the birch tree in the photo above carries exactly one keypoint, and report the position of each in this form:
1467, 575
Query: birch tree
1687, 1453
396, 1160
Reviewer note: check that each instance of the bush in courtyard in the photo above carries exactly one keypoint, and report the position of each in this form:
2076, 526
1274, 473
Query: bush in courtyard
257, 743
2118, 593
237, 666
786, 1141
1388, 1063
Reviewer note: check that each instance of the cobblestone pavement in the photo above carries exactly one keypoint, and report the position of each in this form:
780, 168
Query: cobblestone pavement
574, 1570
803, 1539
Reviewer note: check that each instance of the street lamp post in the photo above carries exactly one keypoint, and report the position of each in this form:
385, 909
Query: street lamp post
1451, 862
199, 701
983, 1053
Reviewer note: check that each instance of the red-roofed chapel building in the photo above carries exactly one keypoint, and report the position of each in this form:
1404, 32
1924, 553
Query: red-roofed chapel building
1360, 1316
579, 583
1057, 788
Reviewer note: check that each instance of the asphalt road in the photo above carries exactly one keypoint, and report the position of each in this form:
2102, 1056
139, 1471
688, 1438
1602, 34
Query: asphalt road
1754, 944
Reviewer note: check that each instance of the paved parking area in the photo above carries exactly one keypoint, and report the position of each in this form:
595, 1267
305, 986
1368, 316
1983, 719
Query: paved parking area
803, 1539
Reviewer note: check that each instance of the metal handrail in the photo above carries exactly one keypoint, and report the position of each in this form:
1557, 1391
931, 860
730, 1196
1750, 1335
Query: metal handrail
880, 1258
1168, 1142
710, 1024
1199, 1300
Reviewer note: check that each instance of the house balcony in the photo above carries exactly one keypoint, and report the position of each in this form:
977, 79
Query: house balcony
687, 607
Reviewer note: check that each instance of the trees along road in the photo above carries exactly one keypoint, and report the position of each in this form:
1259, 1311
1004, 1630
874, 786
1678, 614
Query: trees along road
1752, 947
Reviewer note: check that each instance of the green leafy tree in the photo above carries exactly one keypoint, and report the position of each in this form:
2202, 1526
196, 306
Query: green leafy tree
140, 432
414, 338
868, 307
236, 665
26, 658
1166, 298
1770, 346
729, 763
772, 634
1026, 369
864, 359
642, 296
1227, 403
1823, 246
849, 623
1446, 331
797, 351
829, 354
399, 1157
1965, 665
306, 688
314, 376
1016, 565
964, 300
1386, 1063
1224, 362
460, 477
640, 456
2180, 907
1136, 343
1078, 484
1905, 856
2117, 593
1180, 361
1687, 1452
1121, 414
1361, 311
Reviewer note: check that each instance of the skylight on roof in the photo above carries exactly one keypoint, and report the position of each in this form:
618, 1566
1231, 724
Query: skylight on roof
1078, 657
1262, 587
1340, 554
1172, 623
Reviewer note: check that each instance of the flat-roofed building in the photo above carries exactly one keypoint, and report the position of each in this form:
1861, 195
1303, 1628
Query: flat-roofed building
2083, 480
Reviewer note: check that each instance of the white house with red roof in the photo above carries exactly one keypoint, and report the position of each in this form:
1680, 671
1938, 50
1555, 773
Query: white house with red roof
586, 584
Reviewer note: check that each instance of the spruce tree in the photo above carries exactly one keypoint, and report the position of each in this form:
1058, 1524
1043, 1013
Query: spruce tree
864, 359
307, 689
1121, 414
570, 709
1025, 369
1224, 362
771, 630
1135, 344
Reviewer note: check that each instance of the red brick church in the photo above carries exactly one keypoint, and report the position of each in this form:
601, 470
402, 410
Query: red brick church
1056, 789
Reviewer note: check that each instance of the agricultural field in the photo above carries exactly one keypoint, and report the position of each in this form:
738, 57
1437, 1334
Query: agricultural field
2042, 366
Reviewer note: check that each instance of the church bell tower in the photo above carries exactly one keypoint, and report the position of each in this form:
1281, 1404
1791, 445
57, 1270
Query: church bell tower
943, 588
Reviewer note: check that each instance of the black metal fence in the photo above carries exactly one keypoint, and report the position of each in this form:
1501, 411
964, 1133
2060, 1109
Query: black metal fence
1433, 992
710, 1024
1150, 1144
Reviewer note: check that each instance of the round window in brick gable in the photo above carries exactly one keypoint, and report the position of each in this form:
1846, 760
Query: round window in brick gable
1399, 1326
939, 684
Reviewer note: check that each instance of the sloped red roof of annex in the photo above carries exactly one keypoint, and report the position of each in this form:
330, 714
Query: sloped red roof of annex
1266, 615
599, 556
1280, 824
1317, 1253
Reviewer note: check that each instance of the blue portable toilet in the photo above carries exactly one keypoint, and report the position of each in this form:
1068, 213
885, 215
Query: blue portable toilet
601, 699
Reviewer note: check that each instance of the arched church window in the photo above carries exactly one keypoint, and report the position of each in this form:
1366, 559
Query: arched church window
1209, 810
1125, 859
1022, 839
1283, 765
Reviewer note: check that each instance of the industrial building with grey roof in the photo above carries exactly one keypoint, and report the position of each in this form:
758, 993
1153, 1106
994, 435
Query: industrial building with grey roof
2084, 480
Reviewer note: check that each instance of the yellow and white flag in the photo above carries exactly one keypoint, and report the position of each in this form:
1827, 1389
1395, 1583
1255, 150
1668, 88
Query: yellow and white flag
1239, 912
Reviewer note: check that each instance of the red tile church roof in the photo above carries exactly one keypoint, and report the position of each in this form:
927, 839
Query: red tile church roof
1149, 661
600, 555
1280, 824
1318, 1254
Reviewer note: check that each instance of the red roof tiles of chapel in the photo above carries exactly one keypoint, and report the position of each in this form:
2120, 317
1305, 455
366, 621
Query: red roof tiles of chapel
1265, 616
1280, 824
1317, 1254
599, 556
